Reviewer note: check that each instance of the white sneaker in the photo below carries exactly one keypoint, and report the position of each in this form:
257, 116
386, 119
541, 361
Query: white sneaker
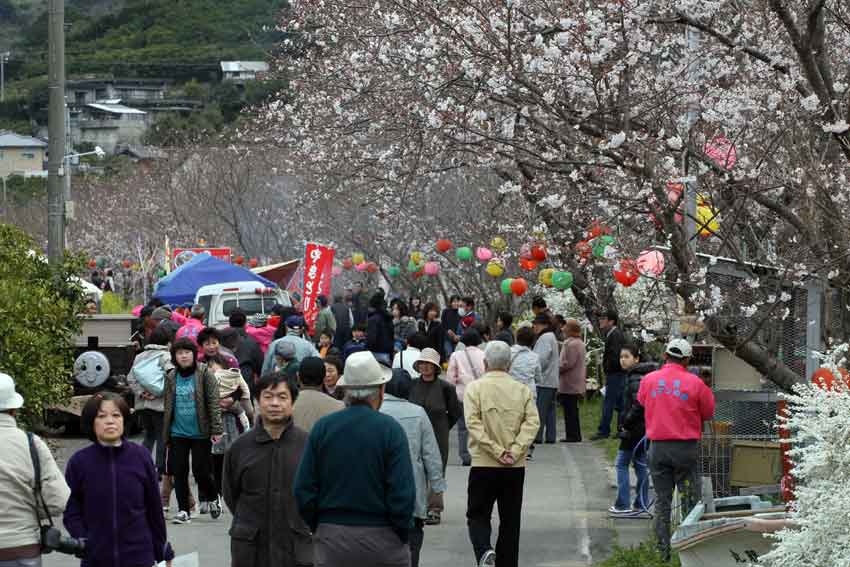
215, 509
205, 508
182, 517
617, 512
488, 559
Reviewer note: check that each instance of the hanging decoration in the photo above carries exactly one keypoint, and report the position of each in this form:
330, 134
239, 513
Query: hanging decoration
498, 244
600, 244
413, 267
545, 277
336, 271
626, 272
538, 252
101, 263
361, 267
394, 271
358, 258
253, 262
708, 222
527, 264
483, 254
464, 253
584, 249
506, 286
136, 267
495, 269
347, 264
597, 229
126, 264
92, 263
432, 268
416, 257
525, 252
562, 280
443, 245
239, 260
650, 263
722, 152
372, 267
519, 286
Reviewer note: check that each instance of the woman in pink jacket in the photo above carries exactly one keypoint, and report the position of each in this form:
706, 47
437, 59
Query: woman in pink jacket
465, 366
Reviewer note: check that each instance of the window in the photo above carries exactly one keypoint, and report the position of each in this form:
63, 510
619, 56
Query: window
27, 155
250, 305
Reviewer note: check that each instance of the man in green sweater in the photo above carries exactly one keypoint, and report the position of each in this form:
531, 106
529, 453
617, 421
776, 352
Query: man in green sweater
355, 485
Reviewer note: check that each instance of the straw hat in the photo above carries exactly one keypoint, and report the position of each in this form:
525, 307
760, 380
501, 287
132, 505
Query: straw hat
362, 370
428, 355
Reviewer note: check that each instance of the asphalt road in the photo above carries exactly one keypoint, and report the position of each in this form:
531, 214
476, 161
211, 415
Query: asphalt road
567, 493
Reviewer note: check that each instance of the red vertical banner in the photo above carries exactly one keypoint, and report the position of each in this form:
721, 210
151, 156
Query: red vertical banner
318, 263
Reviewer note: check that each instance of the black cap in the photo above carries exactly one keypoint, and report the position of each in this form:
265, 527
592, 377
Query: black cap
312, 371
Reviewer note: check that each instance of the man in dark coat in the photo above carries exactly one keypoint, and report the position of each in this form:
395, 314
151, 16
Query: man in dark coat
615, 378
380, 338
259, 475
344, 321
246, 350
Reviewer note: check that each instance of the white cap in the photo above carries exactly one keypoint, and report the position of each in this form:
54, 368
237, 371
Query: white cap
679, 348
362, 370
9, 398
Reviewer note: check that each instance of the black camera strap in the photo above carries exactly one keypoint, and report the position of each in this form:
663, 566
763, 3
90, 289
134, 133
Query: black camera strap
40, 504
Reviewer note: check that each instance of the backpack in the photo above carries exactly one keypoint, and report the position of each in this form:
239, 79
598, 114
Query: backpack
151, 375
188, 332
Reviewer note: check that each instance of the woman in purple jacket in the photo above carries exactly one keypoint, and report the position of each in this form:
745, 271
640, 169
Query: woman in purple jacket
115, 505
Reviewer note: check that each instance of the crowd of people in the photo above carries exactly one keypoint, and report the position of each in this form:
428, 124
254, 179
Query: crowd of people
331, 448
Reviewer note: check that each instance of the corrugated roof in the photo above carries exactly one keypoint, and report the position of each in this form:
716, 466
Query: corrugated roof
12, 140
115, 108
239, 66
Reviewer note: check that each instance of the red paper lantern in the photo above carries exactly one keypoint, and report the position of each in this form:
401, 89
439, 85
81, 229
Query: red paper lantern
584, 249
92, 263
239, 260
626, 273
597, 229
371, 267
126, 264
253, 262
443, 245
347, 264
538, 252
519, 286
527, 264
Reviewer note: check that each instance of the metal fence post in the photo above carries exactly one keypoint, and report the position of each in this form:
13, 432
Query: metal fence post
814, 320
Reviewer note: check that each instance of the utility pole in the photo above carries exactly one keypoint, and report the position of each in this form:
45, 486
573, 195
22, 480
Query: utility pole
56, 132
691, 182
4, 58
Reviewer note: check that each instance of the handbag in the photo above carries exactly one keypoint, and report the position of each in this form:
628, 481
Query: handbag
472, 366
151, 375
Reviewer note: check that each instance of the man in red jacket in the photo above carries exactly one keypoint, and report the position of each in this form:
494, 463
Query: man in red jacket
676, 404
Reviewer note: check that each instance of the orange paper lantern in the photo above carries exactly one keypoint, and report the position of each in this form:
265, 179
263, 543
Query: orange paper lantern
443, 245
239, 260
626, 273
519, 286
538, 252
253, 262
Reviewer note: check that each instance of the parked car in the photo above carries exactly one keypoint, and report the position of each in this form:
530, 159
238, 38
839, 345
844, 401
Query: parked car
220, 300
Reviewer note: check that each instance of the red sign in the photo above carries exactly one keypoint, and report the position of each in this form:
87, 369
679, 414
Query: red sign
318, 262
182, 255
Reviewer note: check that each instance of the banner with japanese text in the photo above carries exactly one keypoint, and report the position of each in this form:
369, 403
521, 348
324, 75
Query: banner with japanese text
317, 266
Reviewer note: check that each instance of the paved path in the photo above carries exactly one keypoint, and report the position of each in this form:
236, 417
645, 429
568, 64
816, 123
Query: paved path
567, 494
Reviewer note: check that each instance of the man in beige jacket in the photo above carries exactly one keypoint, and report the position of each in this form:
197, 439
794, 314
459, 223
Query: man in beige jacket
20, 535
502, 420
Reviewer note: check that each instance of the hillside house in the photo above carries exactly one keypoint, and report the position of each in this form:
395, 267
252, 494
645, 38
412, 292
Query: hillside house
242, 71
108, 124
22, 155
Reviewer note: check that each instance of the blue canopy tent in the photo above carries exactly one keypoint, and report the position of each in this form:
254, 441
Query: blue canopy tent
181, 285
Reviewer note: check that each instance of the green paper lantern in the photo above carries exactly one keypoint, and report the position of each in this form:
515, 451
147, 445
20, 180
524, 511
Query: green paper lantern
394, 271
600, 244
506, 286
161, 273
413, 267
464, 253
562, 280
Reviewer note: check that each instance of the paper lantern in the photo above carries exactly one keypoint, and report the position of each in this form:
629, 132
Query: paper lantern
527, 264
464, 253
707, 219
416, 257
650, 263
597, 229
525, 252
443, 245
92, 263
361, 267
626, 272
483, 254
722, 152
136, 267
126, 264
394, 271
584, 249
545, 277
432, 268
101, 262
371, 267
825, 379
519, 286
347, 264
253, 262
506, 286
562, 280
358, 258
239, 260
161, 273
413, 267
495, 269
498, 244
600, 244
538, 252
336, 271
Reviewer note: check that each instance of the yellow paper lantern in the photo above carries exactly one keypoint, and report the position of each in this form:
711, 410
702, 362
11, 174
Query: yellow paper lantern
498, 244
545, 277
358, 258
495, 269
708, 221
416, 257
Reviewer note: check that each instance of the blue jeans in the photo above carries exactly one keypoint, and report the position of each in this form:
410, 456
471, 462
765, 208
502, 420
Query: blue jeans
463, 439
637, 459
548, 414
614, 385
448, 348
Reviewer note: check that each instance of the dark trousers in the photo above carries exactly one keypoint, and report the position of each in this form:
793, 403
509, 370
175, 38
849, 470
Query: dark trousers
572, 423
152, 424
179, 451
672, 464
217, 462
415, 539
488, 486
614, 385
546, 408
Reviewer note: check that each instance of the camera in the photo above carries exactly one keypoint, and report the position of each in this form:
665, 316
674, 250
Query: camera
53, 540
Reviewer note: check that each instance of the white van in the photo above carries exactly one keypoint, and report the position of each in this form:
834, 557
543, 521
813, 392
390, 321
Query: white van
220, 300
